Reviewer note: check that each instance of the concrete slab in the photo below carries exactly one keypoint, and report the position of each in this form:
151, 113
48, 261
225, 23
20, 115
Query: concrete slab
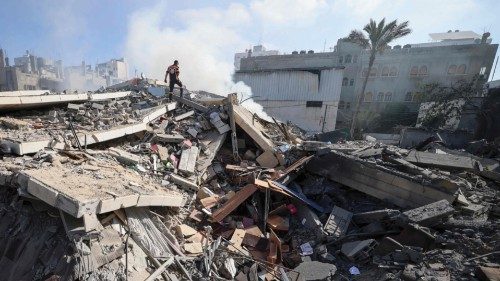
107, 96
381, 182
184, 116
189, 156
252, 127
78, 191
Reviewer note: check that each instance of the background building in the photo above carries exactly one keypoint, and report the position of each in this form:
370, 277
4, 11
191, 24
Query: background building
30, 72
85, 78
256, 51
397, 75
295, 88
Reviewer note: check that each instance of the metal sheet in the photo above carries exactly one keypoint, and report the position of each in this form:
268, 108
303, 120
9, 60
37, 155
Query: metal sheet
294, 85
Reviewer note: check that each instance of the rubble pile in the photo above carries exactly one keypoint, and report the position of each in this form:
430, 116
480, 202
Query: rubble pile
139, 188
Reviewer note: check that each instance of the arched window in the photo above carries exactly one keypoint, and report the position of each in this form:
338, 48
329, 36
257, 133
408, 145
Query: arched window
385, 71
409, 96
365, 72
355, 59
351, 83
341, 59
394, 71
414, 71
347, 105
380, 96
388, 96
374, 71
368, 97
348, 59
461, 69
345, 81
341, 104
423, 70
452, 69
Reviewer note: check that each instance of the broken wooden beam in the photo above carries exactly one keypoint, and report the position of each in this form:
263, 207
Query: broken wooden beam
234, 202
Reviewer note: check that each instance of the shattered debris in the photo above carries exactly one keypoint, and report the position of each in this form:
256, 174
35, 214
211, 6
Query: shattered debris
129, 186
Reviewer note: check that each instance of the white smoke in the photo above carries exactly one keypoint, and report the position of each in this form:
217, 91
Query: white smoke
203, 41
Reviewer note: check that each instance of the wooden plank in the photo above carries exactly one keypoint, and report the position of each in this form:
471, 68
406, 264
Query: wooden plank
234, 202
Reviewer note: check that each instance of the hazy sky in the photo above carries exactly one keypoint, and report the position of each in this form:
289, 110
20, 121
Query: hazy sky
204, 35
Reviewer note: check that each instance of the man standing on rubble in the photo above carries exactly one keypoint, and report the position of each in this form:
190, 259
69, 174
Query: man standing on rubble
173, 75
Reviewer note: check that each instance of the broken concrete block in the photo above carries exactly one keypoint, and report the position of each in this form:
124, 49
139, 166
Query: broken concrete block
488, 273
267, 160
315, 270
338, 222
169, 138
417, 236
42, 192
12, 123
430, 214
183, 116
193, 248
72, 106
163, 153
357, 251
189, 156
192, 132
115, 203
124, 157
184, 230
97, 106
386, 246
184, 182
173, 200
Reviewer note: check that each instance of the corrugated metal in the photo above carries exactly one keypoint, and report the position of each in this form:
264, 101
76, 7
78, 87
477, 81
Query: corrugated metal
293, 85
280, 85
331, 84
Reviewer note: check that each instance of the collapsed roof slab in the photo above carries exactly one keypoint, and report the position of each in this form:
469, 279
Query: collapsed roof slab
108, 96
87, 138
26, 99
381, 182
95, 189
23, 93
252, 127
24, 102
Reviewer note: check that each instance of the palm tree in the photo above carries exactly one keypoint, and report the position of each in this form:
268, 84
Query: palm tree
379, 36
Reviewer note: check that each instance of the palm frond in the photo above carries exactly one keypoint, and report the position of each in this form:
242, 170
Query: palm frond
358, 37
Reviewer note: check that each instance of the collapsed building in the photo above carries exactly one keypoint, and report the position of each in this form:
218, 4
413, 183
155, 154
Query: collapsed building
124, 185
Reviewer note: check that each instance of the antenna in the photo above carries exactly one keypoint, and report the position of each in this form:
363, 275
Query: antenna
324, 46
